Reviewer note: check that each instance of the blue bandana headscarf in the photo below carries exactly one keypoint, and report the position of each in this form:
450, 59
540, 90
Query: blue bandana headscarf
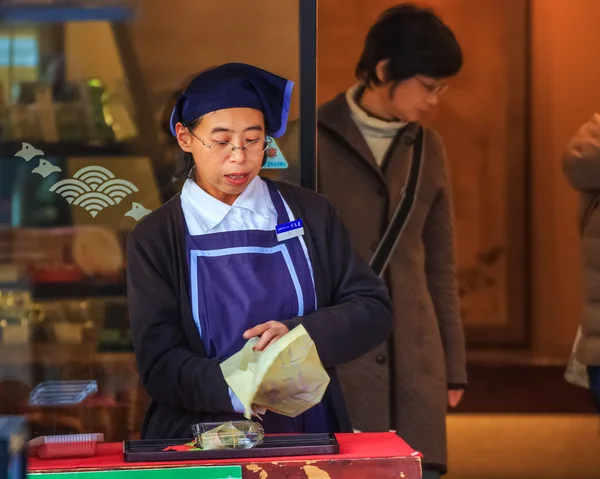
236, 85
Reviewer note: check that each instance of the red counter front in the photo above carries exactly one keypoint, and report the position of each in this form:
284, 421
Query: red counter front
364, 455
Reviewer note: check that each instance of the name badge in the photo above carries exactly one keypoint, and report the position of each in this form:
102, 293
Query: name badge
289, 230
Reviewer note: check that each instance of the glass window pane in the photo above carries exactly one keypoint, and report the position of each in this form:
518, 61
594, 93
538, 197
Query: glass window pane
263, 33
79, 167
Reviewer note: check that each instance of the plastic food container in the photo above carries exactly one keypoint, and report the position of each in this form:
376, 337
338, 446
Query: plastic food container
228, 435
68, 445
62, 393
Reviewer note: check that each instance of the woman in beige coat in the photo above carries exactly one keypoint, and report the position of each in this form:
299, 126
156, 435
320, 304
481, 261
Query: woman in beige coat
365, 140
581, 165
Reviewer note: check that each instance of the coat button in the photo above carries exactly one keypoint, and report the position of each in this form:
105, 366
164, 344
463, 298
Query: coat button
381, 192
374, 246
409, 141
381, 359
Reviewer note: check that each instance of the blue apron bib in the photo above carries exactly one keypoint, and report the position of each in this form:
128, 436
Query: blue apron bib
241, 279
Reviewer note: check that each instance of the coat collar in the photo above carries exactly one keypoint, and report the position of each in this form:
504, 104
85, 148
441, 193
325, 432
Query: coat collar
335, 116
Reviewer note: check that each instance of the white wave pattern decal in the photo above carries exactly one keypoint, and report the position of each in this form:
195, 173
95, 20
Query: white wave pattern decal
94, 188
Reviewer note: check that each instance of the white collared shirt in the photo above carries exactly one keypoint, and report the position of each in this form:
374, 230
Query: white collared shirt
252, 210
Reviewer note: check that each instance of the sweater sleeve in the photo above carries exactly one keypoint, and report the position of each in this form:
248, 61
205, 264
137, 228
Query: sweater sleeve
171, 373
438, 238
360, 315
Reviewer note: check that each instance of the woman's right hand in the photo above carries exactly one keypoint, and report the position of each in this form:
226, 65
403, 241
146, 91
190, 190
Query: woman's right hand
269, 332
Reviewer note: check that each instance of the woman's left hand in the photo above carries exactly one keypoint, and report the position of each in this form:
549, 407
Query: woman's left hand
269, 332
455, 396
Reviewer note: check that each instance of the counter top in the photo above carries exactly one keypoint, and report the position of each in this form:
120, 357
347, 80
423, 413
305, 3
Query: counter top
361, 455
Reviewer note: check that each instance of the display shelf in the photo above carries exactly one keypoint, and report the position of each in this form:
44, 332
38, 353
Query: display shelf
60, 11
57, 354
70, 148
79, 290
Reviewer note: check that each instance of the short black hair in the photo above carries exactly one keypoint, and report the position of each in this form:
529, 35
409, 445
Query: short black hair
415, 42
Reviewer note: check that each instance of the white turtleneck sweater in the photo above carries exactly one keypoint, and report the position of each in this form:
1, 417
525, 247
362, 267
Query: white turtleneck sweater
378, 134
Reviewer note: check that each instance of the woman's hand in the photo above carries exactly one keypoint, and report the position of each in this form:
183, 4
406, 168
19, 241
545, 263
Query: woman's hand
269, 332
455, 396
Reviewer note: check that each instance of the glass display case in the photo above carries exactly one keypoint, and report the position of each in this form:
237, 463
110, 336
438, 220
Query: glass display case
84, 157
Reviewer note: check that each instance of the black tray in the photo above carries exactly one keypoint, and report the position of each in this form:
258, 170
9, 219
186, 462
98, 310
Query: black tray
272, 446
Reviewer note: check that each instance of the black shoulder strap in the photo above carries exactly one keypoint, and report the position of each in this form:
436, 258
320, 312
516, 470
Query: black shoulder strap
390, 239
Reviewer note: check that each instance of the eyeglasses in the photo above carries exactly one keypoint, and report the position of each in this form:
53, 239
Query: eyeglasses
436, 89
224, 148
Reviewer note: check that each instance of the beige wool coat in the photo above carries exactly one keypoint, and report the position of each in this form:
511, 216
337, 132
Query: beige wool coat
581, 166
428, 337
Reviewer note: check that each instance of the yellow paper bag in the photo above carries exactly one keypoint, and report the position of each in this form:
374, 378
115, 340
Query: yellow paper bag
287, 378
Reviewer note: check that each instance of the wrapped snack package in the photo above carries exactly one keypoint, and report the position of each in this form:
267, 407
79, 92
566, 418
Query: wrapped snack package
229, 435
286, 378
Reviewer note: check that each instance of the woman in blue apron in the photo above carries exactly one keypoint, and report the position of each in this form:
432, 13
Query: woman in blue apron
235, 256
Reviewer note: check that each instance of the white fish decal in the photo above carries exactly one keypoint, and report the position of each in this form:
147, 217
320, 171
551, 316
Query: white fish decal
137, 211
27, 152
45, 168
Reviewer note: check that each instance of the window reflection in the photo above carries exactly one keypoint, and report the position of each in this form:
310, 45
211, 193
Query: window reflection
76, 175
74, 179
